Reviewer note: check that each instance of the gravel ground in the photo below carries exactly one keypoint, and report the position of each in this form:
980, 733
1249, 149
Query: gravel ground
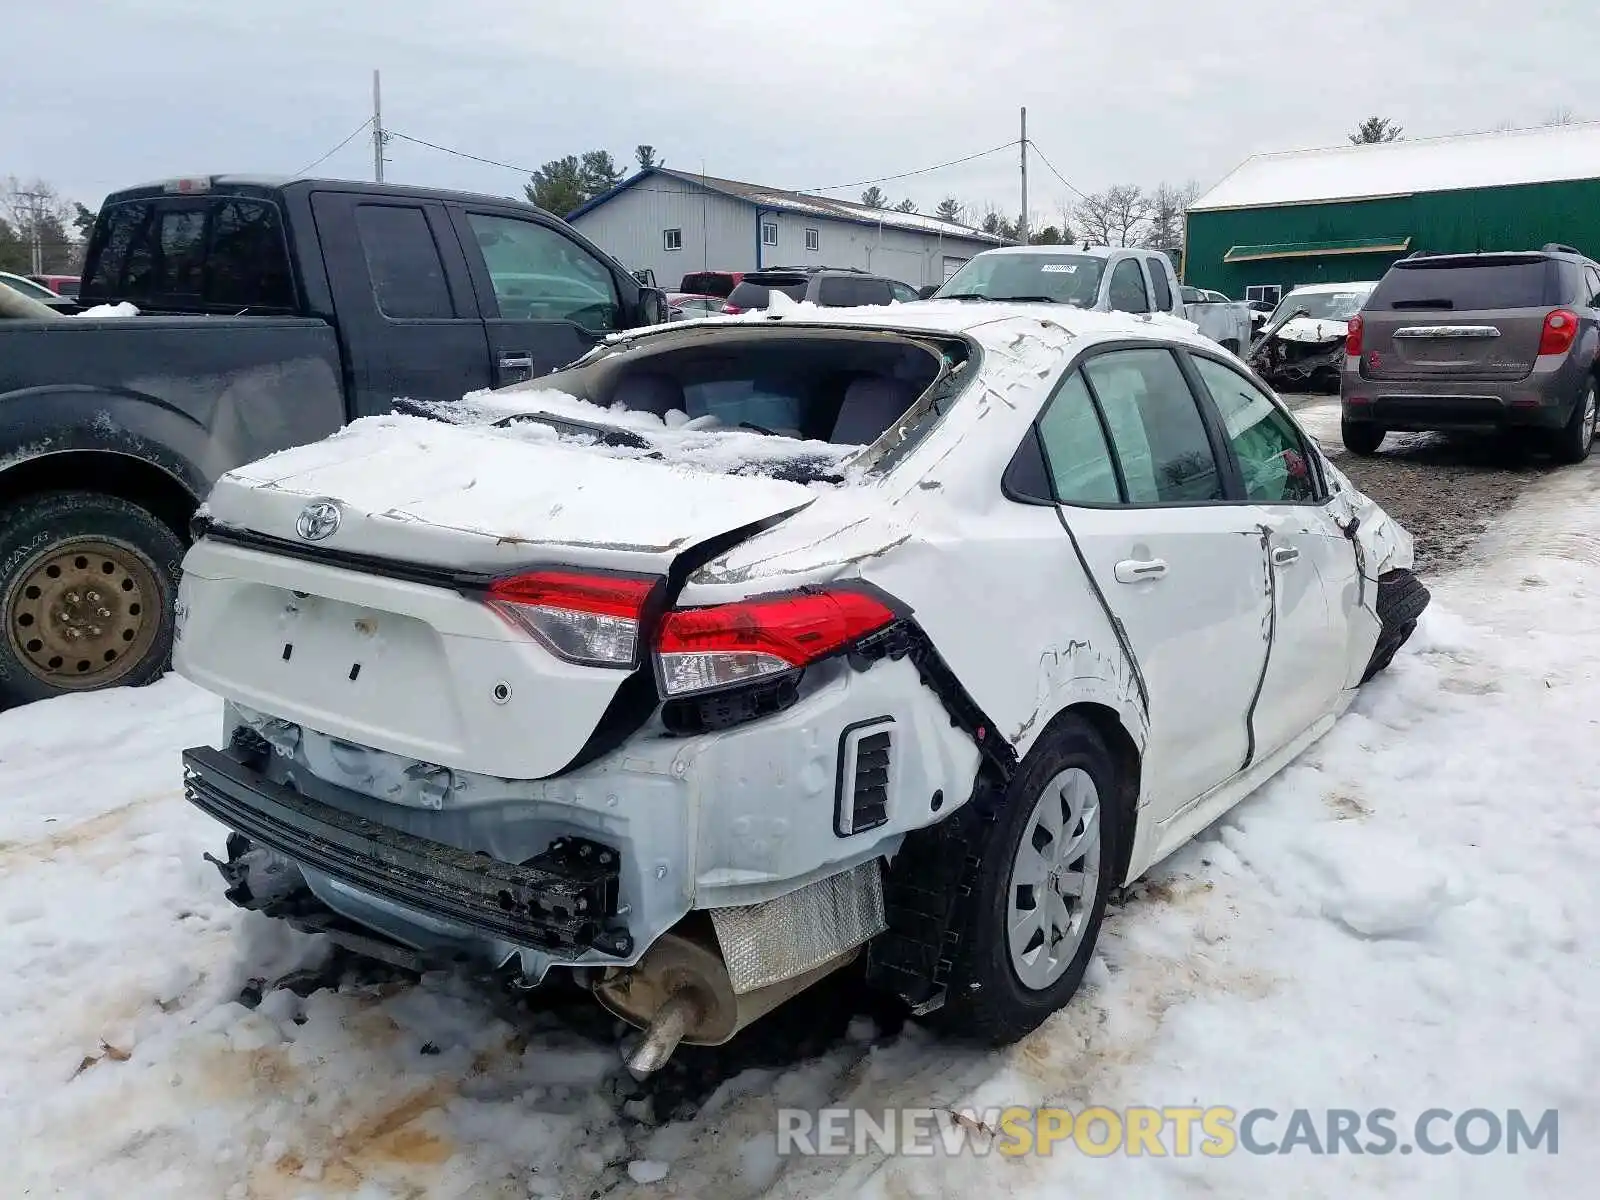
1445, 490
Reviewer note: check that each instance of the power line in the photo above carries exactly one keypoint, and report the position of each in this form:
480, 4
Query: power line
834, 187
1052, 167
335, 150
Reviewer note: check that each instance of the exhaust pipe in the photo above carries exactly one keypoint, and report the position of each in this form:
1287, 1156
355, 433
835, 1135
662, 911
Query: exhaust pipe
681, 992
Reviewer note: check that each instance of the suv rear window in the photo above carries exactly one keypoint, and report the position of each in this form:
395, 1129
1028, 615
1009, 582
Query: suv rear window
844, 291
754, 295
1470, 283
708, 283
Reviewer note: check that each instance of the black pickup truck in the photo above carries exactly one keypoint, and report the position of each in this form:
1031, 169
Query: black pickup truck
270, 313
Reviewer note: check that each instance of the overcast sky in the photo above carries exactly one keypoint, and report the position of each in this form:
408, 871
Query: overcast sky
100, 94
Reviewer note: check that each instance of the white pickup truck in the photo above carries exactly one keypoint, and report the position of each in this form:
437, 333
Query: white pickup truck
1103, 278
1224, 321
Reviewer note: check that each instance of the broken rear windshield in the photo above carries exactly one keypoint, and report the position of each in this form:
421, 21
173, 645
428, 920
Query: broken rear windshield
1323, 306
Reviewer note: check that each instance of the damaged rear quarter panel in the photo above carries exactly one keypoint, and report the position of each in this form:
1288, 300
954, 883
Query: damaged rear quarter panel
993, 583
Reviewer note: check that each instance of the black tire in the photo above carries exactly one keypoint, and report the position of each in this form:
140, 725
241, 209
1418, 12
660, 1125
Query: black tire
1573, 442
136, 557
1361, 438
986, 1001
1401, 601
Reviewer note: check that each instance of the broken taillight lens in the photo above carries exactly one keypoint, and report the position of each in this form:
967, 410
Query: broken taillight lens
592, 619
699, 649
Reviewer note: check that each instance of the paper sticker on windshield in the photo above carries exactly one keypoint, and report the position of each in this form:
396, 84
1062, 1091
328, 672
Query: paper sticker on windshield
1059, 268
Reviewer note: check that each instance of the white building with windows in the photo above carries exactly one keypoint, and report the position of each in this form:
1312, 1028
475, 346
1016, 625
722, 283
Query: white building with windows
675, 223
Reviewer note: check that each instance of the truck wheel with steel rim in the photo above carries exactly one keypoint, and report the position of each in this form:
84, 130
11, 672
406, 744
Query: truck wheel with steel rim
1576, 439
88, 587
1034, 915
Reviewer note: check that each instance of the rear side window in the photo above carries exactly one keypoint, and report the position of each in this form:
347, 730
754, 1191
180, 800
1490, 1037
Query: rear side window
839, 291
1158, 283
1471, 283
120, 226
1127, 293
249, 263
1156, 430
403, 262
1075, 447
707, 283
1271, 455
754, 295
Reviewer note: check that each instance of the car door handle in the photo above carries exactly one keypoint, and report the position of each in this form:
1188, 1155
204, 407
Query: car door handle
1283, 556
516, 362
1138, 570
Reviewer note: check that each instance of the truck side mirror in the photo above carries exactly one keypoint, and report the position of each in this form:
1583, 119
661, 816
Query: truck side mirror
652, 309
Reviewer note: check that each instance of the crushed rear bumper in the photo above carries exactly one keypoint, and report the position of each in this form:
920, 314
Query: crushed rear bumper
563, 901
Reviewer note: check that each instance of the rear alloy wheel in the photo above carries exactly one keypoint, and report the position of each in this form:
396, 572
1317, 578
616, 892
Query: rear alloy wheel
1035, 909
87, 592
1361, 438
1576, 439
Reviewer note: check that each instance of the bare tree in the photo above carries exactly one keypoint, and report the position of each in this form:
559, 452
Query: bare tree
1117, 216
1374, 130
41, 223
1561, 116
1168, 204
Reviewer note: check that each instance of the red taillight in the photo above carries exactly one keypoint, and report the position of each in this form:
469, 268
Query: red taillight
732, 309
1560, 329
582, 618
703, 648
1352, 336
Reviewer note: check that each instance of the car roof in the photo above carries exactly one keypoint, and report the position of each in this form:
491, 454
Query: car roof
1066, 248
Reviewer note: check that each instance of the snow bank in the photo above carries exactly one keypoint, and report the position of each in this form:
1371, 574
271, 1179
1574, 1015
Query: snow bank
102, 311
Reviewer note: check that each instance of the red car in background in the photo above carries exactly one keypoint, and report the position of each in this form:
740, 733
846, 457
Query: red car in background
61, 285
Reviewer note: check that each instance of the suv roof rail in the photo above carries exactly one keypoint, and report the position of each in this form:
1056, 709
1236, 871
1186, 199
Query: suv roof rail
1560, 248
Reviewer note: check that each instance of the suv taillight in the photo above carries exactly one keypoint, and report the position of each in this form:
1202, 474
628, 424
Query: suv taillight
1560, 329
1352, 336
733, 309
580, 617
699, 649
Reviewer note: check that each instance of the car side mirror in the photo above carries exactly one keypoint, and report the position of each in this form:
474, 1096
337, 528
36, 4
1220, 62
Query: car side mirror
652, 307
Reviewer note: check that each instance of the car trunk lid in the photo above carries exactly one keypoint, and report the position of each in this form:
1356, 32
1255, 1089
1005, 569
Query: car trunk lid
383, 631
1468, 317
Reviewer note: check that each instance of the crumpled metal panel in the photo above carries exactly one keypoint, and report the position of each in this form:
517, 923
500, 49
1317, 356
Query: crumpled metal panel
778, 939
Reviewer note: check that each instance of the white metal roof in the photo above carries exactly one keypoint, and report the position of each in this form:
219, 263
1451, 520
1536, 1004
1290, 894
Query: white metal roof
1441, 164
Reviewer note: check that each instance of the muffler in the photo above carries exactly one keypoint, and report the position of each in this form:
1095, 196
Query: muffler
681, 991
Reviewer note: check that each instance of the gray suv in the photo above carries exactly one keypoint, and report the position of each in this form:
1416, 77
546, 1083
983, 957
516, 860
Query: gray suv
1488, 342
826, 287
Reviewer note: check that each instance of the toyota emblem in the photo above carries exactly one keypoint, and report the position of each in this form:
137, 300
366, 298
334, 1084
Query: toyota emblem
317, 521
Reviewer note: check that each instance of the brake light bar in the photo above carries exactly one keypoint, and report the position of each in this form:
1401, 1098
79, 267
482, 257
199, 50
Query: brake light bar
699, 649
581, 617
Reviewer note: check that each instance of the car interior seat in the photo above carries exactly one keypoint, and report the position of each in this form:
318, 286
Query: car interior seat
872, 403
650, 392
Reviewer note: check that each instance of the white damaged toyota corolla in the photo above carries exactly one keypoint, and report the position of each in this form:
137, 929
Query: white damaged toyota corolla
740, 651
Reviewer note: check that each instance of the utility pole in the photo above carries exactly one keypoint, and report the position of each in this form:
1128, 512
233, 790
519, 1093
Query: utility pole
377, 129
1022, 224
35, 215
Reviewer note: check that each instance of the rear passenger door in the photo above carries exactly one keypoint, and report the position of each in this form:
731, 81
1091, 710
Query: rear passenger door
546, 298
407, 316
1142, 483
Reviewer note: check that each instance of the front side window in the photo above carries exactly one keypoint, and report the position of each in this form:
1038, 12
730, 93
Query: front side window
769, 233
1271, 454
1126, 293
541, 275
1075, 448
403, 262
672, 239
1156, 430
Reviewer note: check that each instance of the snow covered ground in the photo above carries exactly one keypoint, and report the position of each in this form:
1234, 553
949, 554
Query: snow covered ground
1403, 920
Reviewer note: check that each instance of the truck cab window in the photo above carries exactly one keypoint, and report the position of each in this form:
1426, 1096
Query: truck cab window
248, 267
1126, 293
403, 262
541, 275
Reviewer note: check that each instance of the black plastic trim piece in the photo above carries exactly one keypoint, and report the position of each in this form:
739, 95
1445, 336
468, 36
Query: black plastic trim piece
561, 902
841, 783
368, 564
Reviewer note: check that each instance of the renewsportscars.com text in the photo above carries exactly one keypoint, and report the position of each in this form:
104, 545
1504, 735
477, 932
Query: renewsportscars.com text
1170, 1131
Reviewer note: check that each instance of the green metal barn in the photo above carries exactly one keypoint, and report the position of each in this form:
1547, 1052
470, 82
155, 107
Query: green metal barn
1345, 214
